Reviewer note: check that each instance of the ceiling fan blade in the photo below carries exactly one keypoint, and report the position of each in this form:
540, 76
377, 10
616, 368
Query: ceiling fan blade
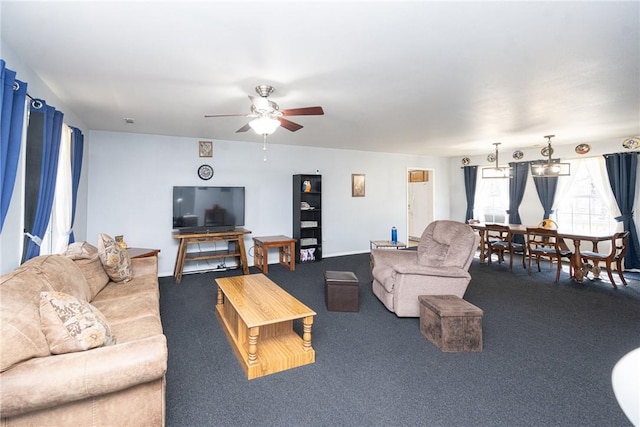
306, 111
224, 115
289, 125
244, 128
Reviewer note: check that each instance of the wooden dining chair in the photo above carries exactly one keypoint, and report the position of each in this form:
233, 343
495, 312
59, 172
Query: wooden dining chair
499, 239
493, 233
616, 254
544, 243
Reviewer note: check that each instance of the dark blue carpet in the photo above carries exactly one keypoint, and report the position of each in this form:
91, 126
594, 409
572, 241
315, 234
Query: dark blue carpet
548, 354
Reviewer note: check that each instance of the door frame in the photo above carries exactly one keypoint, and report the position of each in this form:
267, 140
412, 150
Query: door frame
431, 181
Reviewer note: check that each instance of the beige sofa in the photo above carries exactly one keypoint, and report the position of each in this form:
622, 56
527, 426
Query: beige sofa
120, 384
439, 266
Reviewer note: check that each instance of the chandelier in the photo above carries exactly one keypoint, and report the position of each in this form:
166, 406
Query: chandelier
549, 168
496, 171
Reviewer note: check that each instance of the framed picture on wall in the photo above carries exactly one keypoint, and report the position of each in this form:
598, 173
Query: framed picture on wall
205, 148
357, 185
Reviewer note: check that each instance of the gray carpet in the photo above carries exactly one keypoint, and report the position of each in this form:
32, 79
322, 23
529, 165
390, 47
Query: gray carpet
548, 354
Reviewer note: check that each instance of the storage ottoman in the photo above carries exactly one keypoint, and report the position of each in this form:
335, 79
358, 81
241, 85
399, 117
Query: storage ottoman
451, 323
341, 291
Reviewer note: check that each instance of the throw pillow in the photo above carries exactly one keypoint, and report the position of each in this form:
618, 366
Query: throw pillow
72, 325
115, 259
87, 259
80, 250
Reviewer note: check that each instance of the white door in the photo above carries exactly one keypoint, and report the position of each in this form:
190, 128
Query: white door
420, 203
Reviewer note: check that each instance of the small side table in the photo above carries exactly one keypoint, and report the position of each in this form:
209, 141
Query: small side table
386, 244
287, 247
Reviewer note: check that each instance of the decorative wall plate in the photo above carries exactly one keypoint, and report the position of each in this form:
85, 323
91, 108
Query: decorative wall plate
583, 148
205, 172
491, 158
631, 143
518, 154
466, 161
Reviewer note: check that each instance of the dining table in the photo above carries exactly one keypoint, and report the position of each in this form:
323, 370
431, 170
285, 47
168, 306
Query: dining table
580, 269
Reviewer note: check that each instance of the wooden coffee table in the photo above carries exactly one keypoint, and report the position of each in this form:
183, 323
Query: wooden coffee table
257, 316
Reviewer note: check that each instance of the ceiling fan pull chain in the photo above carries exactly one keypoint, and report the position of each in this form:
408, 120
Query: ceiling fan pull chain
264, 147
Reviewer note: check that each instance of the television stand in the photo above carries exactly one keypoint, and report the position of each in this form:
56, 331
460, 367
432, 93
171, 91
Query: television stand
235, 236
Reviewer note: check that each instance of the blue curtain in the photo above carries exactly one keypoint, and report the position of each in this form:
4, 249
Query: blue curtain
77, 147
52, 132
517, 184
621, 169
470, 179
12, 95
546, 188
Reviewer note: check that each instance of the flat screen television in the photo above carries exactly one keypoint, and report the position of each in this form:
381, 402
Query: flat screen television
207, 209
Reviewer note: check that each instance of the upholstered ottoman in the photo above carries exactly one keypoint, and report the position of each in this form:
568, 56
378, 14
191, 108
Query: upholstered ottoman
341, 291
451, 323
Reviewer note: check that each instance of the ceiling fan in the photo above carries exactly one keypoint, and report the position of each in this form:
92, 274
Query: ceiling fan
268, 115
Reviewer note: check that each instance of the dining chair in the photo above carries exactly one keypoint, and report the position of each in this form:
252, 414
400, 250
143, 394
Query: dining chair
499, 239
616, 254
550, 225
493, 233
544, 243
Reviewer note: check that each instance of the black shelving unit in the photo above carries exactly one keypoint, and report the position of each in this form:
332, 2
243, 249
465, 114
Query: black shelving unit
307, 217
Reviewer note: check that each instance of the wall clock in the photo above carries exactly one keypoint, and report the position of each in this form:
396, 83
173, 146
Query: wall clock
205, 172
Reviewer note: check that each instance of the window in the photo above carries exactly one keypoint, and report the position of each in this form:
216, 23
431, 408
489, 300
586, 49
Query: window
48, 186
492, 200
585, 209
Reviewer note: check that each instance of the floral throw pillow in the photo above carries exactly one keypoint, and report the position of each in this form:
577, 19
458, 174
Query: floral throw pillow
115, 259
72, 325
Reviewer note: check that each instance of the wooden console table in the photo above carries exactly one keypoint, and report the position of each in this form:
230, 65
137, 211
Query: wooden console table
257, 316
287, 247
236, 236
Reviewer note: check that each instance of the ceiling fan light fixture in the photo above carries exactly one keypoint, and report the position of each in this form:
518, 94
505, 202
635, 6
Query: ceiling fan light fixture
497, 172
264, 125
264, 90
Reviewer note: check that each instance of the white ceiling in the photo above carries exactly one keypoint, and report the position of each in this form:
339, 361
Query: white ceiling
421, 77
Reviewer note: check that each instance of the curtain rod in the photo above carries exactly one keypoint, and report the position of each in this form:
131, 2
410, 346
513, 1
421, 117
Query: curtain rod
37, 103
16, 86
34, 100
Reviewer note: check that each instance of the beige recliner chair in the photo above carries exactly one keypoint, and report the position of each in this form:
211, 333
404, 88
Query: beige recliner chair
439, 267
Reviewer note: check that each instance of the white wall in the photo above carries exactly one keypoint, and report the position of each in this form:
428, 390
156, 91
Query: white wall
11, 237
131, 178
